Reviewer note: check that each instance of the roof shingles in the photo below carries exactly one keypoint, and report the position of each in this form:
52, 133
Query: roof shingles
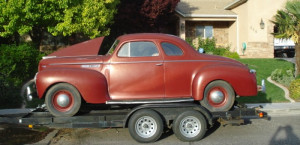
204, 8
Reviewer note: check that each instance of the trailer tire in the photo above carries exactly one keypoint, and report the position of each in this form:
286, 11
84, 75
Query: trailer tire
190, 126
63, 100
218, 96
145, 126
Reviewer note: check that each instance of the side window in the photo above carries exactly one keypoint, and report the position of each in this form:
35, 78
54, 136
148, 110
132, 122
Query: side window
171, 49
138, 49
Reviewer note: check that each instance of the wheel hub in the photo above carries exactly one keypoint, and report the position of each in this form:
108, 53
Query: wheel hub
63, 100
216, 96
146, 127
190, 126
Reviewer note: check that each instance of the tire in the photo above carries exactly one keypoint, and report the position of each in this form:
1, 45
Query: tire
145, 126
218, 96
63, 100
190, 126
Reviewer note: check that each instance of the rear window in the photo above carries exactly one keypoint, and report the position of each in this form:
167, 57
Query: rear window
171, 49
138, 49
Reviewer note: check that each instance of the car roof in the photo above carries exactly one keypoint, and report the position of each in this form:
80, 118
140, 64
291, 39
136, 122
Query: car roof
138, 36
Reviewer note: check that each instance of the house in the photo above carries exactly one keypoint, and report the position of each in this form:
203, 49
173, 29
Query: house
244, 25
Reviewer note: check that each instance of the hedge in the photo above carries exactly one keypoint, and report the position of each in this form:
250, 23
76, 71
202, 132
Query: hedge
18, 64
295, 90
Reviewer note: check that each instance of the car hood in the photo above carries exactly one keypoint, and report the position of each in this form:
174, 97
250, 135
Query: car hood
86, 48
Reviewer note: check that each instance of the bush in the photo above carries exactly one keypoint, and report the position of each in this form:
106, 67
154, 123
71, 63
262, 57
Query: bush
209, 45
283, 76
295, 90
18, 64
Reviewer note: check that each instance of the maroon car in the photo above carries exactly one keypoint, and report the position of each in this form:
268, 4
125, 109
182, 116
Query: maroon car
140, 69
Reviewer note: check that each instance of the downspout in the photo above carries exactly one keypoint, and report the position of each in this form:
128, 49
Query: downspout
237, 35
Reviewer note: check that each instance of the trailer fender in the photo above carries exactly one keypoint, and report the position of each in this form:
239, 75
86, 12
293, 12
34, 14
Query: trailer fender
91, 84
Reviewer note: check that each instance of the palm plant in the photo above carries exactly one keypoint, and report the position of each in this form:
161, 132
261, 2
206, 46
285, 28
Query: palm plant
288, 23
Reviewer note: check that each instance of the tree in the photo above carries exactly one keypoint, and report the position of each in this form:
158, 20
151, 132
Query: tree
144, 16
288, 23
63, 17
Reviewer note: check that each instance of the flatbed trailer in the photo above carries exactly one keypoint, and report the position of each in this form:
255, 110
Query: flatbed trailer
189, 121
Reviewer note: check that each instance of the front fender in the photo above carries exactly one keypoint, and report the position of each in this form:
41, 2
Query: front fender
242, 81
91, 84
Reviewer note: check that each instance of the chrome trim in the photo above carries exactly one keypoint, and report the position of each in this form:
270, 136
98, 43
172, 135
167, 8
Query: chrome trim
168, 61
132, 62
47, 57
159, 101
92, 63
253, 71
28, 90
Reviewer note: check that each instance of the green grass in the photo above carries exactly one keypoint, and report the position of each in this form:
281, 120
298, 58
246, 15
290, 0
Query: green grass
264, 68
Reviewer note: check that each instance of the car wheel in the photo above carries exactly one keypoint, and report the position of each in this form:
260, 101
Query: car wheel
190, 126
218, 96
145, 126
63, 100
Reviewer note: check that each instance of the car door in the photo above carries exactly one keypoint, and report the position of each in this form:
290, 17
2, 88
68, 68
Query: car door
137, 72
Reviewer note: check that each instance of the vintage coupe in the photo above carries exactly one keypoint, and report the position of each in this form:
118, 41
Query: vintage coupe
140, 68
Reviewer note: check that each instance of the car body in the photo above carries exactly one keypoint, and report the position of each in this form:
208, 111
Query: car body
142, 68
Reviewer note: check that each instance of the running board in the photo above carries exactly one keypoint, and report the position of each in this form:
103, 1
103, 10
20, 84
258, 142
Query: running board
149, 101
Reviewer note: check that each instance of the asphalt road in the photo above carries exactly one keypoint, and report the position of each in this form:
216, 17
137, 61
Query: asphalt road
281, 130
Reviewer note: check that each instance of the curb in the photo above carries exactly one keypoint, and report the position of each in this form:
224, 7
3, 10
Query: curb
286, 91
47, 139
278, 109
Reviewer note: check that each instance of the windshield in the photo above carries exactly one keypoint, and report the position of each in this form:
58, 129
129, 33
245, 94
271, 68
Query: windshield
113, 47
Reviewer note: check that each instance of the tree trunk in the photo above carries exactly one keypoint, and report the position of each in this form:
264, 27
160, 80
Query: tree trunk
37, 36
297, 57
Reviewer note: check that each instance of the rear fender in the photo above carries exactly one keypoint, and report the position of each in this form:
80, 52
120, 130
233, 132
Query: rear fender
241, 80
91, 84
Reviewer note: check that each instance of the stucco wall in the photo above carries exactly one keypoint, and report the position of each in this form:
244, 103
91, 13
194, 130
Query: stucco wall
259, 41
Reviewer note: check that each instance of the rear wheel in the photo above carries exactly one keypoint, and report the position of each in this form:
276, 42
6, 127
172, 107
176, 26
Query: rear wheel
218, 96
63, 100
190, 126
145, 126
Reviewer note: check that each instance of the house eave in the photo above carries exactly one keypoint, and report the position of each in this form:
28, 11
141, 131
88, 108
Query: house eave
235, 4
205, 15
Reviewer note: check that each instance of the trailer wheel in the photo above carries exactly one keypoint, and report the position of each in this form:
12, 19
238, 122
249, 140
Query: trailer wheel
63, 100
145, 126
218, 96
190, 126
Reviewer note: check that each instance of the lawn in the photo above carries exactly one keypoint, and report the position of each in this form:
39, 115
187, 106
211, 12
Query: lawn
264, 68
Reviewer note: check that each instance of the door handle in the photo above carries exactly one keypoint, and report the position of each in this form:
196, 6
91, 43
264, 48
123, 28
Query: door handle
159, 64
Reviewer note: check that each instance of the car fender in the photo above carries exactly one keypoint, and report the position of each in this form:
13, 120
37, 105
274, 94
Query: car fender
241, 80
91, 84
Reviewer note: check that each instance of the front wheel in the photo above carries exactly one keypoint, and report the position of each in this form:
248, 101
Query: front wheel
218, 96
190, 126
63, 100
145, 126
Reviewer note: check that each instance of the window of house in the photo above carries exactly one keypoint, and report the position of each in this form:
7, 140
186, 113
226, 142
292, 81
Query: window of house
204, 31
138, 49
171, 49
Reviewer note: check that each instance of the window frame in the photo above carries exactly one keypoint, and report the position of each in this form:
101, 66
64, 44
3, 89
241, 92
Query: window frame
205, 28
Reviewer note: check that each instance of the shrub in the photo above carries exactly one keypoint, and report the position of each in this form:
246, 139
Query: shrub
209, 45
295, 90
18, 64
283, 76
